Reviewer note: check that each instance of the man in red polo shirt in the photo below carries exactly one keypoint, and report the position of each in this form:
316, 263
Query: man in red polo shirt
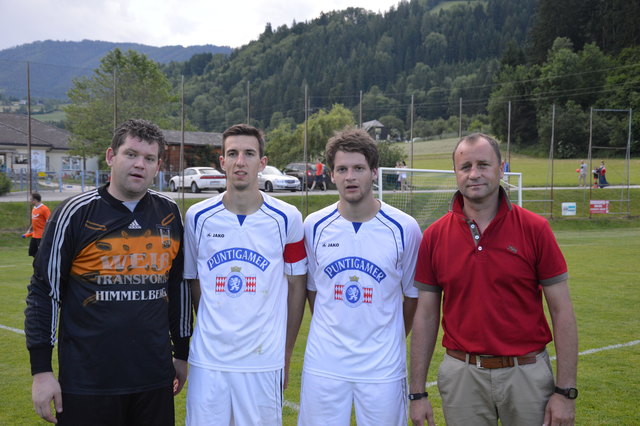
492, 261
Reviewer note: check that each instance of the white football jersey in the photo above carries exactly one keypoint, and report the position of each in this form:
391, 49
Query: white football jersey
242, 262
360, 272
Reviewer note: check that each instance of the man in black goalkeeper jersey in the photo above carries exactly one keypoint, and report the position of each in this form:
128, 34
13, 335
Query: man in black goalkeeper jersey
109, 270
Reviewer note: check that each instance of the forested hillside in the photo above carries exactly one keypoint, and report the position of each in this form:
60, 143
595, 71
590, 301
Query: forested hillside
469, 57
436, 56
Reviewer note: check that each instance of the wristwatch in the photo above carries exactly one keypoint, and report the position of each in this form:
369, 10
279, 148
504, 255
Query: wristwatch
416, 396
571, 393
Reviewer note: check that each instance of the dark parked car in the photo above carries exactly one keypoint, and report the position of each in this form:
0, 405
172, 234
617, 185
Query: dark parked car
297, 170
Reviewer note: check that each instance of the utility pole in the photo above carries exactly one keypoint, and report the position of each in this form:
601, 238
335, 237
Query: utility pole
29, 171
248, 102
360, 120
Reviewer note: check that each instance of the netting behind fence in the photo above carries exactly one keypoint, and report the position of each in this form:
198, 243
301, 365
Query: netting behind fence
426, 194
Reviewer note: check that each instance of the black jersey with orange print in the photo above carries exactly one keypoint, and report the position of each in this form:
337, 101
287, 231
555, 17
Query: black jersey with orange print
113, 278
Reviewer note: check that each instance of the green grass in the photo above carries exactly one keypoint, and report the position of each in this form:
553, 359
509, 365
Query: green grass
436, 154
604, 284
51, 116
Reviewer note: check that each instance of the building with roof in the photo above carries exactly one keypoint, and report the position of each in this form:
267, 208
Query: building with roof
49, 146
200, 149
376, 129
50, 150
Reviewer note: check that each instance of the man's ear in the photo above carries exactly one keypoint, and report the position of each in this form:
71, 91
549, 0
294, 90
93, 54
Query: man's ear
109, 156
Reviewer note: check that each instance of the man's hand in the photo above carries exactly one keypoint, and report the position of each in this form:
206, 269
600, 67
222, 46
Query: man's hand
46, 388
182, 368
421, 411
560, 411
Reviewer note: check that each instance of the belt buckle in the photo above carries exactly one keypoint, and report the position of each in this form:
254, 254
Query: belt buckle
479, 362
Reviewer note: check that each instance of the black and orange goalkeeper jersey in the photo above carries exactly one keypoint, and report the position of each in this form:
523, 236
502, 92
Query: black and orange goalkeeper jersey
113, 279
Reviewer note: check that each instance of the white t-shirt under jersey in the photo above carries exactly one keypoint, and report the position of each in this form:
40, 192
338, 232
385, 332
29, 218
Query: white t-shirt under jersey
242, 262
360, 272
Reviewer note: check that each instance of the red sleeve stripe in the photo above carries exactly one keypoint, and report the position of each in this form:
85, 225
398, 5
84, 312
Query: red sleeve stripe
294, 252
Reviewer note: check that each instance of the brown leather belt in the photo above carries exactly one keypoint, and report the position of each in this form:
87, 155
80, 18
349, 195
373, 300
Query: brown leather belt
490, 362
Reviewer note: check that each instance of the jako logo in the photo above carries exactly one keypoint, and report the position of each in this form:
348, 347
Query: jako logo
216, 235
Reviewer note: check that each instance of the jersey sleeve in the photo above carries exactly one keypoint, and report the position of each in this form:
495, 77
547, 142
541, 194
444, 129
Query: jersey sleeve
295, 256
51, 271
180, 311
190, 247
410, 256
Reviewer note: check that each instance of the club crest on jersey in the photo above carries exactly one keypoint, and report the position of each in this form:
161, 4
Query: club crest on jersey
352, 293
235, 284
165, 236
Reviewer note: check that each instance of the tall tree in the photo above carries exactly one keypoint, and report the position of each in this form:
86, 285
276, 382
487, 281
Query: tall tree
126, 85
286, 144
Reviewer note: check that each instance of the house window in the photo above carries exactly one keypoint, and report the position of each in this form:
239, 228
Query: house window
20, 159
72, 163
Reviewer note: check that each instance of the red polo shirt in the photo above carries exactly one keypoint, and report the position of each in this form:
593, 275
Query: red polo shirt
492, 294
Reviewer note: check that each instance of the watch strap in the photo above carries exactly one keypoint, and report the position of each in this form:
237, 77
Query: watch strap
570, 393
416, 396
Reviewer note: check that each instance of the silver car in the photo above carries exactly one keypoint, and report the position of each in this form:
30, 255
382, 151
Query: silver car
271, 179
199, 178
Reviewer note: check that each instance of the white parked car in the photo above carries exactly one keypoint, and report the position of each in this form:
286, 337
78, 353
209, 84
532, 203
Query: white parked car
199, 178
271, 178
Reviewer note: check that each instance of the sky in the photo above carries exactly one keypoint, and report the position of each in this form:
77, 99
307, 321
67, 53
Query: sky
159, 22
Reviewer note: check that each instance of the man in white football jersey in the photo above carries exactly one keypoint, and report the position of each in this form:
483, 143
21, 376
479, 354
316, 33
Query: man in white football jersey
245, 259
362, 255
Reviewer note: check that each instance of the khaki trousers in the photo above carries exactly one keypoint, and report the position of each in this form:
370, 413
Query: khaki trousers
516, 395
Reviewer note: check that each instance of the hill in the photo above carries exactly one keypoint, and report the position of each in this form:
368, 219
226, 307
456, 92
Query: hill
438, 51
53, 64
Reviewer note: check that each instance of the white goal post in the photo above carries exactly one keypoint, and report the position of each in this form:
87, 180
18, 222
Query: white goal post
426, 194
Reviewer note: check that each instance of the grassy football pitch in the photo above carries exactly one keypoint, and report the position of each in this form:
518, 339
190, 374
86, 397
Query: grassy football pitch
605, 287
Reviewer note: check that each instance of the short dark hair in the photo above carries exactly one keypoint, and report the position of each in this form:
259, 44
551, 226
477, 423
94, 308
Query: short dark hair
244, 130
352, 140
473, 138
36, 196
141, 129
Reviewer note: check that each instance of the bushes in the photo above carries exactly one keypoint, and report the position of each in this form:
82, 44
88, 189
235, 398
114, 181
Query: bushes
5, 184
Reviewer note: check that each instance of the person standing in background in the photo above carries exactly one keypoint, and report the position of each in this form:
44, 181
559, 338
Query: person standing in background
319, 176
602, 175
582, 176
39, 216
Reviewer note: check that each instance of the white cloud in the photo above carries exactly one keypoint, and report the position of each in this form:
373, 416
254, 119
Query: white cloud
159, 23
